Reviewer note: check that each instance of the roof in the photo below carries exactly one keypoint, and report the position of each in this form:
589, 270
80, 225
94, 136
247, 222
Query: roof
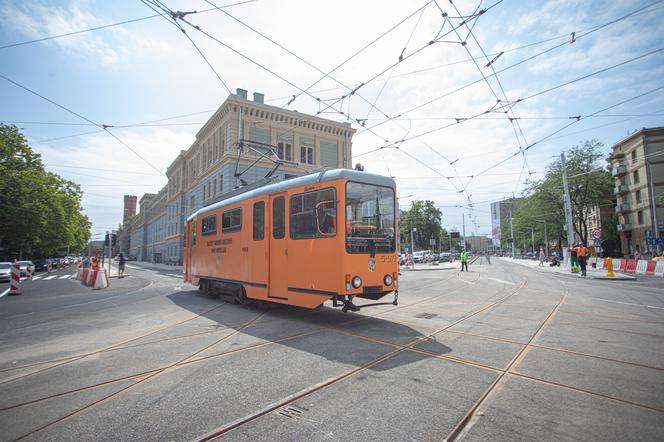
314, 178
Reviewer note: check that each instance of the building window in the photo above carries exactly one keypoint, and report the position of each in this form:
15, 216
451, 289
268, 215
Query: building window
313, 214
639, 217
637, 196
306, 150
231, 220
221, 183
635, 176
259, 221
209, 225
278, 218
215, 186
285, 151
192, 203
633, 156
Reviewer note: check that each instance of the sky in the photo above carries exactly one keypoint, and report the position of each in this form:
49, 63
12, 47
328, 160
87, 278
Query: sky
461, 102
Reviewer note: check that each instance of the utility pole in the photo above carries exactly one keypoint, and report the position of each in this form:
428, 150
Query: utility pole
463, 227
568, 202
412, 247
512, 227
449, 234
532, 234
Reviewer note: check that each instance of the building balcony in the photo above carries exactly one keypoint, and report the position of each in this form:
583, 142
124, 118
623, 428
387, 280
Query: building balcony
624, 207
624, 227
619, 170
622, 188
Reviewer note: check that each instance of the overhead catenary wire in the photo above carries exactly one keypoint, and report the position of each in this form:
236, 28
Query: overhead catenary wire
101, 126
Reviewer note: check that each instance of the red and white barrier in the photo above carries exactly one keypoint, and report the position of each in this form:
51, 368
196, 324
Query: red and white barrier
30, 271
15, 281
630, 265
650, 267
659, 268
89, 276
99, 279
641, 267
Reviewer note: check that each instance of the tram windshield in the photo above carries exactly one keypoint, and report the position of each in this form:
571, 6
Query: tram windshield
369, 219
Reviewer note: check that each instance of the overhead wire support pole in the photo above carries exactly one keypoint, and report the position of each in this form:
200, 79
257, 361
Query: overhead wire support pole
567, 202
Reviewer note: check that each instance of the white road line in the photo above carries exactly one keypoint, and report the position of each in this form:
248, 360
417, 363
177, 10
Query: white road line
73, 274
37, 277
501, 280
50, 277
630, 303
131, 267
173, 274
65, 277
4, 293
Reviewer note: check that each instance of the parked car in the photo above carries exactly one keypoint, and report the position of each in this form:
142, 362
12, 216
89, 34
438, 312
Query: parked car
445, 257
5, 271
24, 267
418, 256
402, 259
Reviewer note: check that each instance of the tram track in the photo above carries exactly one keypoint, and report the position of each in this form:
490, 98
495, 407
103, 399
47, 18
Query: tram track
224, 429
149, 374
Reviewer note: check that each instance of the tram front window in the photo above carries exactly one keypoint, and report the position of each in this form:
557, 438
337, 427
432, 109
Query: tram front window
369, 219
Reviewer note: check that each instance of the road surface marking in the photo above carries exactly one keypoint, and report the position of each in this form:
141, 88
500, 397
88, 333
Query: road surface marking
173, 274
4, 293
500, 280
630, 303
50, 277
73, 274
37, 277
131, 267
65, 277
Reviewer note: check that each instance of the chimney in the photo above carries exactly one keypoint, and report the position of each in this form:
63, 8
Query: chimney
242, 93
259, 98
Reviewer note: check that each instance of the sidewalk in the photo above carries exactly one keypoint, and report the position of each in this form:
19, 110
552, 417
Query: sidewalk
597, 273
423, 267
152, 266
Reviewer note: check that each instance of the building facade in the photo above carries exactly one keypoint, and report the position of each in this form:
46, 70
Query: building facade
501, 211
638, 167
241, 143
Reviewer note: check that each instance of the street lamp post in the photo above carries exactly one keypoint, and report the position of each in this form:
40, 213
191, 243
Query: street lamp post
412, 247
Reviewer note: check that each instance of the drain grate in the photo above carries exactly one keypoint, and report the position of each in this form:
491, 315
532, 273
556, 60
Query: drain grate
291, 411
426, 315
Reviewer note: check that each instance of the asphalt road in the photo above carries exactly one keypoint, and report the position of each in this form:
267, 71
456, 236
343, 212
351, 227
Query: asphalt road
502, 352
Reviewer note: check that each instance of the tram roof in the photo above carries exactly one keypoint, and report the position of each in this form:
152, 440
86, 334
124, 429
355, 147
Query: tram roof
314, 178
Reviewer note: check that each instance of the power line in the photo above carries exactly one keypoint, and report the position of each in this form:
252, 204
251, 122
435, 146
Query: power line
96, 28
101, 126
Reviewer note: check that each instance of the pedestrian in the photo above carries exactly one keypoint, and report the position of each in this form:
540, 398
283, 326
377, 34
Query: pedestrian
582, 253
542, 257
464, 260
573, 260
86, 262
121, 265
637, 255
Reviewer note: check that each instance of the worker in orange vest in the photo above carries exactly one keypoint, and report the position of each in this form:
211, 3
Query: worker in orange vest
582, 254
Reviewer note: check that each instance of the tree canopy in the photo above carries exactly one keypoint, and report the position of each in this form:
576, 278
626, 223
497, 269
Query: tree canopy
41, 211
590, 186
426, 218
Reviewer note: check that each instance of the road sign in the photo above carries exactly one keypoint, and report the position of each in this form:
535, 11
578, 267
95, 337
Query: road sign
597, 242
597, 234
647, 233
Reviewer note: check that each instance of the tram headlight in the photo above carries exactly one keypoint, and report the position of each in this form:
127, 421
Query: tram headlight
357, 282
387, 280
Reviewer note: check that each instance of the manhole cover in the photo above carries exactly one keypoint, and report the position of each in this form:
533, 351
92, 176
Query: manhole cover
426, 315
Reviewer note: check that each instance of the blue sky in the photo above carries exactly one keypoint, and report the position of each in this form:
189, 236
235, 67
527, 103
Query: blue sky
148, 70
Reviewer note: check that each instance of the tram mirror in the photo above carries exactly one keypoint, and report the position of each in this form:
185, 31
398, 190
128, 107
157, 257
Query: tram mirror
325, 218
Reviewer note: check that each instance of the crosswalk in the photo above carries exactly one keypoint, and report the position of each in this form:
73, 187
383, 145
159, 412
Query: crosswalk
48, 277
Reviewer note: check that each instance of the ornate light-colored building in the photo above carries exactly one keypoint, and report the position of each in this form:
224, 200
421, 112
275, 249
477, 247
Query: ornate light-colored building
238, 145
638, 166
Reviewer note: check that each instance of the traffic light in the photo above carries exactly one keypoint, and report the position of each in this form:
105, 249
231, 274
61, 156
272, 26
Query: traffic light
114, 239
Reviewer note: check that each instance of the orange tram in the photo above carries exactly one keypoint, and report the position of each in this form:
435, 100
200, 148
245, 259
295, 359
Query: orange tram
303, 241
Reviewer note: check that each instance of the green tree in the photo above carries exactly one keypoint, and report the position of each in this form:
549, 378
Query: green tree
41, 212
426, 218
590, 185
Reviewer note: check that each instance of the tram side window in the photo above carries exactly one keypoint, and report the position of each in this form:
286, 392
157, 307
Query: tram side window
259, 221
278, 217
231, 220
209, 225
193, 233
313, 214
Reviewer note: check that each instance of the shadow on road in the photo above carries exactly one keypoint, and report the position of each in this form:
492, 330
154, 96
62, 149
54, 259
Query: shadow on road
339, 337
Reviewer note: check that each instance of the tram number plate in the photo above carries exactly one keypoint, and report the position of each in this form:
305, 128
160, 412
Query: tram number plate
388, 258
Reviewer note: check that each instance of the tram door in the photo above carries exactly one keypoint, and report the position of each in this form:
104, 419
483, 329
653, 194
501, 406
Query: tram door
278, 275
